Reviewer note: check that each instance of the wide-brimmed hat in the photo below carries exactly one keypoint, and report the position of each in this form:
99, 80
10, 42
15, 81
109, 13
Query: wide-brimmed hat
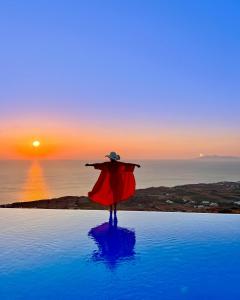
113, 155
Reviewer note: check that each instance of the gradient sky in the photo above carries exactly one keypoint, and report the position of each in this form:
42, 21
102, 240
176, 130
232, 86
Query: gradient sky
149, 79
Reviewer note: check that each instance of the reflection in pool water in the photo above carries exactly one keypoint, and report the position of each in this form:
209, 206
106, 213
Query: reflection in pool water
114, 243
44, 254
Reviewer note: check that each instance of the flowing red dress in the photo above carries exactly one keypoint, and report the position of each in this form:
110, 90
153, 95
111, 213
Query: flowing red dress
116, 183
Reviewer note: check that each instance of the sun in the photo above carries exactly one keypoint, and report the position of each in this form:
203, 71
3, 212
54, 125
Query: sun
36, 144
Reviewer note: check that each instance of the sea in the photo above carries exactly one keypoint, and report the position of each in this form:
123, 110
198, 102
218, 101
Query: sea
34, 180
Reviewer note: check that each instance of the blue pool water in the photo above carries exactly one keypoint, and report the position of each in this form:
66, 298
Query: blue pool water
62, 254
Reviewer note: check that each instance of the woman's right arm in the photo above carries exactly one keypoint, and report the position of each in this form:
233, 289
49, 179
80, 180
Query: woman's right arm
98, 166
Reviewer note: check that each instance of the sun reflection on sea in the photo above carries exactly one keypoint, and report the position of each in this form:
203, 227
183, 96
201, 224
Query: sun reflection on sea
35, 186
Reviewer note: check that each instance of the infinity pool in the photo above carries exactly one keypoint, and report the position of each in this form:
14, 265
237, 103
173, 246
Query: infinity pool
62, 254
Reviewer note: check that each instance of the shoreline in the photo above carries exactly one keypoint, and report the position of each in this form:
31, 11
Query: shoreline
220, 197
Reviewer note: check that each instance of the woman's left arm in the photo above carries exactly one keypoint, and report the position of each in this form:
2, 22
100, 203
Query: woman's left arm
130, 166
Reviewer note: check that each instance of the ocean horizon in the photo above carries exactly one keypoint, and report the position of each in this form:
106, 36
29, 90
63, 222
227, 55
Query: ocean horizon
26, 180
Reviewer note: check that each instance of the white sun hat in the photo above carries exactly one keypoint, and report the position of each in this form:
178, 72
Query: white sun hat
113, 155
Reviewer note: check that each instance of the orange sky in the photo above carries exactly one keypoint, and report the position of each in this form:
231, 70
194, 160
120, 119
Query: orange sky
154, 80
67, 141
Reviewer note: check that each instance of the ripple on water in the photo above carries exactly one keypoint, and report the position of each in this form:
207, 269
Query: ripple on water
146, 255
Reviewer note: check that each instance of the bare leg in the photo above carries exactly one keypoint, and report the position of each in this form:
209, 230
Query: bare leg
115, 220
115, 209
110, 214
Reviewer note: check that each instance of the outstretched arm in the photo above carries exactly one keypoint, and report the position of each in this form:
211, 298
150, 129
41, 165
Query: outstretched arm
133, 165
98, 166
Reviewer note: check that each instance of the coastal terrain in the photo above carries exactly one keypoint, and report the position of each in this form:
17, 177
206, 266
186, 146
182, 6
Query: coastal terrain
221, 197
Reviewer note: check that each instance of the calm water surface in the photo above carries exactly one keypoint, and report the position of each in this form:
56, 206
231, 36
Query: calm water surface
32, 180
54, 254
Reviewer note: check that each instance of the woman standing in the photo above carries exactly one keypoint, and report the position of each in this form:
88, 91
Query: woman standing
116, 182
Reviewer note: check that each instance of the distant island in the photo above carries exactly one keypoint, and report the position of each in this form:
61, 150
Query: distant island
202, 156
221, 197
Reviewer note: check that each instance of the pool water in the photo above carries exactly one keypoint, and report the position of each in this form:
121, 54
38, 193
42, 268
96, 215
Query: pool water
63, 254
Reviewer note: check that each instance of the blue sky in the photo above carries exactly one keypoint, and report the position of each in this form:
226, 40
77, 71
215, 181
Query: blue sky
158, 65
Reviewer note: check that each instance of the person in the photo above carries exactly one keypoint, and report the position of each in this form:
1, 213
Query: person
116, 182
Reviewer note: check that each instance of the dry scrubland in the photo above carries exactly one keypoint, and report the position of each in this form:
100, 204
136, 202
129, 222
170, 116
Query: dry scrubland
221, 197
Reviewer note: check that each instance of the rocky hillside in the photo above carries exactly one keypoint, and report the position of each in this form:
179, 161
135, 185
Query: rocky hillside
221, 197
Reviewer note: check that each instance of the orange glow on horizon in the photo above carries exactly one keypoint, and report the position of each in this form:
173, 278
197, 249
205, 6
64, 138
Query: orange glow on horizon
30, 148
66, 141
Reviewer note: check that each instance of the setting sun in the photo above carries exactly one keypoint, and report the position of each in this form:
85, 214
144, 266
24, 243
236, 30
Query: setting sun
36, 144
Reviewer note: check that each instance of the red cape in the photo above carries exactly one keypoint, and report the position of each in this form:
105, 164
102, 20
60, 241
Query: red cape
116, 183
